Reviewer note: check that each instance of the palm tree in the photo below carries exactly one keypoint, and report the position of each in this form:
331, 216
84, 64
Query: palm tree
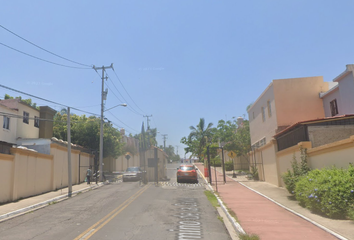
201, 134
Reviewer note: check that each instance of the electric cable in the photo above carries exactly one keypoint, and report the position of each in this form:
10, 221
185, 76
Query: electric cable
41, 59
46, 100
44, 49
122, 122
127, 92
128, 106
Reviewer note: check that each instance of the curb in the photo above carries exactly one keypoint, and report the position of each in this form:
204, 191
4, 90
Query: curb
292, 211
22, 211
297, 214
237, 227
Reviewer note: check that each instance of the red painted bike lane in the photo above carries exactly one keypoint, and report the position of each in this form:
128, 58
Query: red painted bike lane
258, 215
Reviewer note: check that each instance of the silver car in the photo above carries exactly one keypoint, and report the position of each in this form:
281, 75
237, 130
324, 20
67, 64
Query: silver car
132, 174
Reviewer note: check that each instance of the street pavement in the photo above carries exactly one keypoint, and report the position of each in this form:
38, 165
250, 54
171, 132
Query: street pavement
23, 206
261, 208
270, 212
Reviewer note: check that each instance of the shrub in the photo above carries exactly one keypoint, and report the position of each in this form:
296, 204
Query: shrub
328, 191
215, 162
290, 178
254, 172
229, 166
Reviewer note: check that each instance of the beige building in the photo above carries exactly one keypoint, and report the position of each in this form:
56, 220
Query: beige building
283, 103
21, 120
8, 122
28, 118
302, 113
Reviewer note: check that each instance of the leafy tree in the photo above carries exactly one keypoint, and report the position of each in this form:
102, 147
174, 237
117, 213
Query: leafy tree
198, 138
27, 101
236, 138
85, 131
146, 136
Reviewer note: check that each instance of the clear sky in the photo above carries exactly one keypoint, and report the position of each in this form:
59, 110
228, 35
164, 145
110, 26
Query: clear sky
178, 60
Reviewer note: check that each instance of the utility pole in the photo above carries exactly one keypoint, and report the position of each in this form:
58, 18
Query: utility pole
148, 126
164, 141
69, 154
103, 95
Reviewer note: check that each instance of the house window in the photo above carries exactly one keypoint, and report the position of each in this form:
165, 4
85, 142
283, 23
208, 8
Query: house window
36, 122
263, 114
253, 115
269, 109
334, 107
25, 117
6, 124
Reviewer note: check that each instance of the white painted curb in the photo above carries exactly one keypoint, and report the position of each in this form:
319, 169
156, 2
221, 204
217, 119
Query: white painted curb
298, 214
236, 225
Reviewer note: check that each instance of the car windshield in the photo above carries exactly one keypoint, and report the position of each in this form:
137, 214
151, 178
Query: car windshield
186, 168
132, 169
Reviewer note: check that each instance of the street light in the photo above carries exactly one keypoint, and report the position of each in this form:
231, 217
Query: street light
123, 105
101, 135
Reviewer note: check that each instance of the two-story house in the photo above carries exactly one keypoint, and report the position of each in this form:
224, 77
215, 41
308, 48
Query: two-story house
27, 118
283, 103
339, 99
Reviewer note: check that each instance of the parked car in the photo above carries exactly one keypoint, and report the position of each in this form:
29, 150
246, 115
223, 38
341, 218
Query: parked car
187, 173
132, 174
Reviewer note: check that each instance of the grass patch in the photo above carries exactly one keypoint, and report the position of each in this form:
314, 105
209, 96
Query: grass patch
221, 219
233, 214
249, 237
212, 199
52, 203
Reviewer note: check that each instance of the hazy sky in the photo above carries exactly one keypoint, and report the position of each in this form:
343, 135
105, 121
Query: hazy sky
178, 60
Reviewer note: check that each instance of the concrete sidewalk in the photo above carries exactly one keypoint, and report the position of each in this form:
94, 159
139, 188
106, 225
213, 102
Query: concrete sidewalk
13, 209
270, 212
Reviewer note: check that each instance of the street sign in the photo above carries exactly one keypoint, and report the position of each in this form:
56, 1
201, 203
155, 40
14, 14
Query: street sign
231, 154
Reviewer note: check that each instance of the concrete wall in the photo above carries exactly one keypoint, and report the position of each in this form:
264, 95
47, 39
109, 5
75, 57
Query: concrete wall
338, 154
26, 173
321, 135
120, 164
269, 160
275, 164
286, 156
6, 177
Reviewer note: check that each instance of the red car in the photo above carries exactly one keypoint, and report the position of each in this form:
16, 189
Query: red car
187, 173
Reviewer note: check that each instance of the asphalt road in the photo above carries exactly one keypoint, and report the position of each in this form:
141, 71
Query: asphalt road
128, 210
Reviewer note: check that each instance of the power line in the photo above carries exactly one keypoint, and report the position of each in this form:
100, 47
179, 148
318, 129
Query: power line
44, 49
122, 122
46, 100
127, 91
129, 107
41, 59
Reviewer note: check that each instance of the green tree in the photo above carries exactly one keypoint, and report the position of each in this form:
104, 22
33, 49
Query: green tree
198, 138
146, 136
236, 138
27, 101
85, 131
